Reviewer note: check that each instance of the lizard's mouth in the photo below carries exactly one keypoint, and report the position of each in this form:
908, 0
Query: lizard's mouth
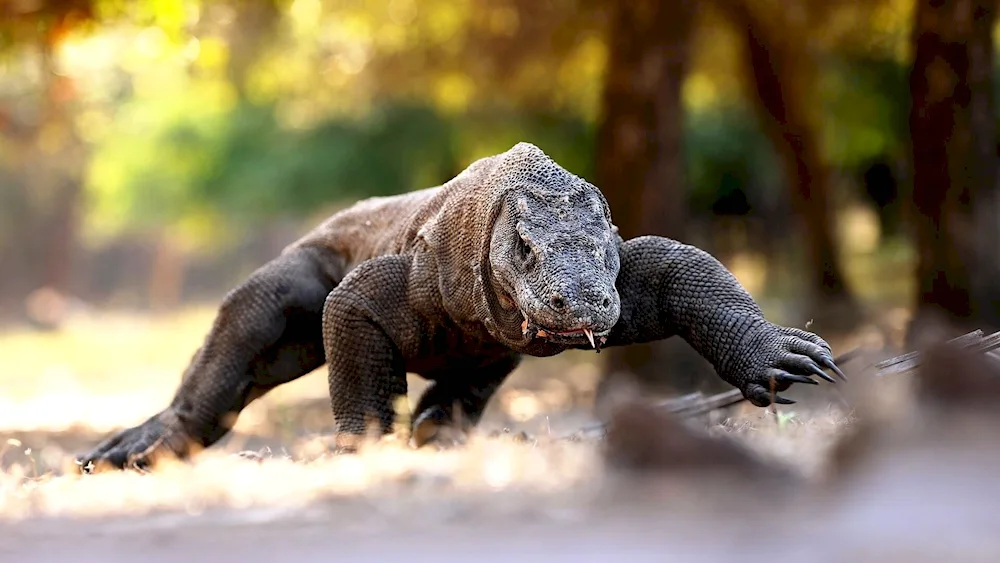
576, 336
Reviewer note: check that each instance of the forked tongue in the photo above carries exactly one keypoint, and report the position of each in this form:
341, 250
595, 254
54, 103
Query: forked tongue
590, 337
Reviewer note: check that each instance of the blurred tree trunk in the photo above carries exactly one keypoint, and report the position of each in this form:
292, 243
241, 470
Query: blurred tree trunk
782, 75
58, 182
639, 155
640, 165
58, 179
955, 207
251, 28
15, 214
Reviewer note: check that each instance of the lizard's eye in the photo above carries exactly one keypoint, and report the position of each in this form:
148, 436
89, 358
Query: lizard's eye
523, 250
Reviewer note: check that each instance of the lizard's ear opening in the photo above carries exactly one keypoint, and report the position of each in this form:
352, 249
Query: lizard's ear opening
525, 254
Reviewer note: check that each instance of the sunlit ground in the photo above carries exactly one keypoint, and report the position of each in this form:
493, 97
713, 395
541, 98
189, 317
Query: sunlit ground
62, 391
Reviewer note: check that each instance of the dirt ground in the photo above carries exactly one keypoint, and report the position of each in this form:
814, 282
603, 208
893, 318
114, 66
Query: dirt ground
928, 496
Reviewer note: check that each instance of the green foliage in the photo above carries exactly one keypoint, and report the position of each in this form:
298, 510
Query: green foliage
726, 153
866, 103
262, 169
567, 138
241, 165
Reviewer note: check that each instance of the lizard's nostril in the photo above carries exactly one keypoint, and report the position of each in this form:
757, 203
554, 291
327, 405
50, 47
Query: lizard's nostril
557, 302
606, 302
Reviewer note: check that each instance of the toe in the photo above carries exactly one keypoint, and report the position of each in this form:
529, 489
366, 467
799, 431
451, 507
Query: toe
797, 363
808, 356
781, 376
760, 396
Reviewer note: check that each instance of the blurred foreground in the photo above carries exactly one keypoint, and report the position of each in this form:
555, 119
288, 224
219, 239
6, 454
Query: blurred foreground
915, 480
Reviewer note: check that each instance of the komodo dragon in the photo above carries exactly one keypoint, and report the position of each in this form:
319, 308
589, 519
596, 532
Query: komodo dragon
515, 256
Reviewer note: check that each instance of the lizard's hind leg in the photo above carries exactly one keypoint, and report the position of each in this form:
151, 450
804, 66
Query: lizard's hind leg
455, 401
267, 332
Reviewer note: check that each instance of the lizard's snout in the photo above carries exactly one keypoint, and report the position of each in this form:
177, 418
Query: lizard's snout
601, 301
574, 313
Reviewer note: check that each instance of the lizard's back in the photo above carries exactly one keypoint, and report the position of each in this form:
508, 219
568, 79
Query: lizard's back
376, 226
397, 224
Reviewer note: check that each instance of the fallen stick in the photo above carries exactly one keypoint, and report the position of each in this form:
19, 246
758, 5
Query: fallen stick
973, 342
685, 406
696, 404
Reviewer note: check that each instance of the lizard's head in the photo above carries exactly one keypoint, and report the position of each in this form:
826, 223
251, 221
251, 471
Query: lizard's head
554, 253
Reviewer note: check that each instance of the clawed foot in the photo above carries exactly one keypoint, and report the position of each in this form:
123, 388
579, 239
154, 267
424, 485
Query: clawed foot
139, 447
784, 356
433, 427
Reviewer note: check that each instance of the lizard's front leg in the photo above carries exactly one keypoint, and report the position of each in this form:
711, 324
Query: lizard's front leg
369, 329
668, 288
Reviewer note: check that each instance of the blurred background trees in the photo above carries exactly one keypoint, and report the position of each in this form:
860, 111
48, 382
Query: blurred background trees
839, 157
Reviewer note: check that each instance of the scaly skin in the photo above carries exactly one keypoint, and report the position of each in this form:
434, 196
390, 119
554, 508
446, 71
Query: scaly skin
513, 257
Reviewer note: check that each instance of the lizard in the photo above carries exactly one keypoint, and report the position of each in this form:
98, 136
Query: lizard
513, 257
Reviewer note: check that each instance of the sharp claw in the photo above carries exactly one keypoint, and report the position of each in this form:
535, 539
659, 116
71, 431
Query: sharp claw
828, 362
590, 337
797, 379
783, 401
819, 371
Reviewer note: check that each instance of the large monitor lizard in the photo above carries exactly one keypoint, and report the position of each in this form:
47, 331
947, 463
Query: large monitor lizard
515, 256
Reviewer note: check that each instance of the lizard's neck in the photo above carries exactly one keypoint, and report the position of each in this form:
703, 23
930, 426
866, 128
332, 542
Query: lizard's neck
502, 317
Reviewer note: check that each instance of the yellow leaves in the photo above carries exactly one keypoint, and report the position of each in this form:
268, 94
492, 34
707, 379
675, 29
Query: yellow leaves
191, 50
355, 26
444, 19
504, 20
699, 92
394, 34
217, 95
453, 92
151, 44
170, 15
305, 17
264, 81
580, 77
391, 38
305, 13
402, 12
716, 66
352, 58
213, 53
892, 21
879, 27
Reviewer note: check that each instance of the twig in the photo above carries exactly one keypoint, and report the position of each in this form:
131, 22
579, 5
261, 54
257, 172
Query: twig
972, 342
696, 404
685, 406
